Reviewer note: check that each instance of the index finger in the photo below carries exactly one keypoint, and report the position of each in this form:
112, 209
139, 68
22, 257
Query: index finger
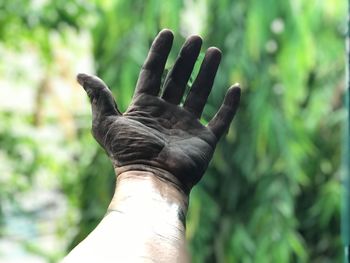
152, 69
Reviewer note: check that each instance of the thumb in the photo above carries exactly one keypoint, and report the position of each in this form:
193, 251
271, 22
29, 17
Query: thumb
101, 98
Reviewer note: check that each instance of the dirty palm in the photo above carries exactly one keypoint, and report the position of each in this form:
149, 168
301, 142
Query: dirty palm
156, 133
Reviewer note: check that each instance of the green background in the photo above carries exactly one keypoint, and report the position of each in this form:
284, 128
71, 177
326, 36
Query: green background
272, 191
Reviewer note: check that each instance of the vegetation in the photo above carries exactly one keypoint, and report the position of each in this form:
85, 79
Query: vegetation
272, 192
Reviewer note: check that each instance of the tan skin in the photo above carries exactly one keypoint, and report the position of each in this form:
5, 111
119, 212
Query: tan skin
159, 150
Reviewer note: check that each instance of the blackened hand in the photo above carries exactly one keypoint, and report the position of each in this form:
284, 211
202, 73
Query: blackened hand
155, 132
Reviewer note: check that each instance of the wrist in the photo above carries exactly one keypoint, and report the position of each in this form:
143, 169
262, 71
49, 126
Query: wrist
150, 194
163, 175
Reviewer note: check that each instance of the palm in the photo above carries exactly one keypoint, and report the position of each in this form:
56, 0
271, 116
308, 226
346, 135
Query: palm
155, 132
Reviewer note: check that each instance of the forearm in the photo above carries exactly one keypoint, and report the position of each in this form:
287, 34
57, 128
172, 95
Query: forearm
144, 223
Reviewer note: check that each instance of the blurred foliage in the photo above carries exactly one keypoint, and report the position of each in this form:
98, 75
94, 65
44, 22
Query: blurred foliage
272, 191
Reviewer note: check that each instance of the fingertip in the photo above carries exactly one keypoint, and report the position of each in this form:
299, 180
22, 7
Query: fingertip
166, 33
195, 39
192, 46
236, 85
213, 54
165, 30
90, 82
214, 50
163, 42
81, 77
236, 89
233, 95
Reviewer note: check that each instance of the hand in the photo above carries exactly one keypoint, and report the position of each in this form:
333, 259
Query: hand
155, 133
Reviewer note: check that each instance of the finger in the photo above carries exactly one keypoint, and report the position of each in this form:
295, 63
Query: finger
101, 98
152, 69
198, 95
221, 121
175, 83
